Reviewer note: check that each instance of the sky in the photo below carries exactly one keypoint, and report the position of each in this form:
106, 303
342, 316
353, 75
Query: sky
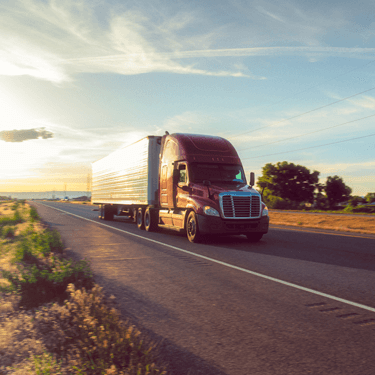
283, 81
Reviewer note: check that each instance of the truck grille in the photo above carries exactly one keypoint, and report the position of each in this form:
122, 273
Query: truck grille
240, 206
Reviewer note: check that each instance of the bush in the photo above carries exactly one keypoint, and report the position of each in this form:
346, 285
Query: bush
276, 203
90, 333
38, 282
34, 245
16, 219
358, 209
40, 269
34, 214
7, 232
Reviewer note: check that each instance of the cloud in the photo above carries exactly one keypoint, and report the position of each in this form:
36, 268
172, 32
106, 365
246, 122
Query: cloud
56, 40
24, 135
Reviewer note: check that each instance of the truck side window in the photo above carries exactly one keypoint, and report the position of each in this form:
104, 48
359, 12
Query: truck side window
182, 169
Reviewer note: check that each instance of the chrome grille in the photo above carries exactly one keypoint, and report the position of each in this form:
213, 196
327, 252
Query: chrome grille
240, 206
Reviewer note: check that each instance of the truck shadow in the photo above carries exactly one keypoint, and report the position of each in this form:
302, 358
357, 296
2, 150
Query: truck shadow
334, 249
134, 307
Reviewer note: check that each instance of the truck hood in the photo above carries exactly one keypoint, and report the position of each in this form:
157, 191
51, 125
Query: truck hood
217, 188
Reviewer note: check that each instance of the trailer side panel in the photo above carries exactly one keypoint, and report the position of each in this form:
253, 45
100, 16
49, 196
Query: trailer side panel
128, 176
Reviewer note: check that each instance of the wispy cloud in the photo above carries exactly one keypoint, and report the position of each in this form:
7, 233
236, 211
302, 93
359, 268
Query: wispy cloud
54, 40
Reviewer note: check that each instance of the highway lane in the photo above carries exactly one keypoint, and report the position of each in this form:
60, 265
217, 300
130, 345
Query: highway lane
225, 320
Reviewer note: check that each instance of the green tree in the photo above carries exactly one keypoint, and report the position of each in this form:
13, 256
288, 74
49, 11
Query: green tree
320, 200
336, 190
355, 200
370, 197
292, 183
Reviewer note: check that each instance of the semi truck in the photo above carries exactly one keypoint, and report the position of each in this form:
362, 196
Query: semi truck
191, 183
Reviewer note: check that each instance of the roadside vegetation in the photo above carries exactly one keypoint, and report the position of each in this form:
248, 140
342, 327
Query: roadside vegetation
353, 223
287, 186
53, 318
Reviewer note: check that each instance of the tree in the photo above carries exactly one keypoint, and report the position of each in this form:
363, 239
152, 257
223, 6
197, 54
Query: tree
370, 197
293, 183
355, 200
336, 190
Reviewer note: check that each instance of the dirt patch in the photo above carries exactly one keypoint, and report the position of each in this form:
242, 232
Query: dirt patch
354, 223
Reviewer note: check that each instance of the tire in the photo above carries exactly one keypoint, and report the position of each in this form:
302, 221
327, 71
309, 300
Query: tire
192, 229
140, 219
254, 237
150, 220
108, 212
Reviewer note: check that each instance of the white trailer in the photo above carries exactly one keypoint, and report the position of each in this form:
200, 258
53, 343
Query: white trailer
127, 178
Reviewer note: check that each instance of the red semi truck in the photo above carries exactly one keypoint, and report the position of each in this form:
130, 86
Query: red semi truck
186, 182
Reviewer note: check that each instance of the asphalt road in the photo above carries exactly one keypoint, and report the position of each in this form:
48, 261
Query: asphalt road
297, 302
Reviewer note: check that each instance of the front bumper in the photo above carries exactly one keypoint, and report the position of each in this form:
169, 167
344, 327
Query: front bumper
217, 225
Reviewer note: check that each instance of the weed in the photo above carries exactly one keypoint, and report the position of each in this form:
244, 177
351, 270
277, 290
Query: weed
14, 220
89, 332
40, 281
45, 364
7, 232
34, 214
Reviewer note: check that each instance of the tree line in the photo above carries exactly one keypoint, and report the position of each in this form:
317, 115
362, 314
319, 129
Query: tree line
290, 186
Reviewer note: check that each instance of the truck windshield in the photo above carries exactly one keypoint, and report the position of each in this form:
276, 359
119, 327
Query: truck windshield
199, 172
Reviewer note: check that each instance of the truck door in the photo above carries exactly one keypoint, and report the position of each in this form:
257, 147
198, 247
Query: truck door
167, 191
182, 189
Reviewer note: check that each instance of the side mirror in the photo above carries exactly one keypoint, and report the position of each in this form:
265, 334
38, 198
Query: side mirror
252, 179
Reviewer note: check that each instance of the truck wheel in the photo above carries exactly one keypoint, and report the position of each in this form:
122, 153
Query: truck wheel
150, 219
140, 219
108, 212
192, 230
254, 237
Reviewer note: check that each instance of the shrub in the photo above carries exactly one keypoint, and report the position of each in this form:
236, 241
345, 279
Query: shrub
90, 333
7, 232
15, 219
45, 364
38, 282
358, 209
38, 244
34, 214
40, 269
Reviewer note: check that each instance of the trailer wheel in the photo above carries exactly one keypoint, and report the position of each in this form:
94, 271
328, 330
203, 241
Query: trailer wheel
150, 219
254, 237
140, 219
108, 212
192, 229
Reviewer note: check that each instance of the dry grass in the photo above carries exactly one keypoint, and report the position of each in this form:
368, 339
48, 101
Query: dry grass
354, 223
84, 335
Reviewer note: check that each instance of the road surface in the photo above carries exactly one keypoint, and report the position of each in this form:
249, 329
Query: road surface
298, 302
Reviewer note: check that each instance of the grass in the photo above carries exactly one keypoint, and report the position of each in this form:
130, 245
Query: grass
353, 223
53, 318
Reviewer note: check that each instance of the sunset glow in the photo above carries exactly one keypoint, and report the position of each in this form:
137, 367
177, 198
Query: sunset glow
287, 81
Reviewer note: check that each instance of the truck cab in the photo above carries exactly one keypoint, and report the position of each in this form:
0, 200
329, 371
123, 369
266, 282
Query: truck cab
203, 189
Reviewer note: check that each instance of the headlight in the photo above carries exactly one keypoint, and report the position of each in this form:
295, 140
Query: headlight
265, 211
210, 211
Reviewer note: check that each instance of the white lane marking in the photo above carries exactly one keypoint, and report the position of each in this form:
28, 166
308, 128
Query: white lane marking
230, 265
